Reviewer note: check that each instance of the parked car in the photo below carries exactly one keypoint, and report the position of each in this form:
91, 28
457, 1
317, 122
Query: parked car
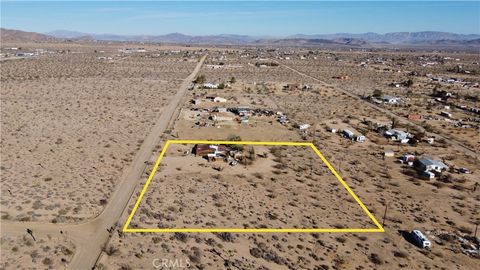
420, 239
428, 175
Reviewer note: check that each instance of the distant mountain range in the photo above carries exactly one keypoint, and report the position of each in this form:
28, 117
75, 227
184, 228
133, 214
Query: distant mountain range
343, 39
7, 35
168, 38
397, 37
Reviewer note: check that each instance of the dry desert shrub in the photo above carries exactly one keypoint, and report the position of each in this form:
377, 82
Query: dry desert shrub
111, 250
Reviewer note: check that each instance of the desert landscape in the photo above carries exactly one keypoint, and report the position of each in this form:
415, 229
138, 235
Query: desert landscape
84, 121
66, 133
444, 208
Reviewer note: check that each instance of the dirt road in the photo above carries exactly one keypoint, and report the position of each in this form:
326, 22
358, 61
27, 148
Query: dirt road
401, 119
89, 237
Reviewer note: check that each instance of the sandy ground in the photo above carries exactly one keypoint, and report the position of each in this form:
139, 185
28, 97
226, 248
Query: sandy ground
187, 193
283, 190
90, 236
443, 210
68, 129
45, 252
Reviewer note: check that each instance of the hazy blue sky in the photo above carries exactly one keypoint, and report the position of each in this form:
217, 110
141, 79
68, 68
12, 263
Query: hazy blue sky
232, 17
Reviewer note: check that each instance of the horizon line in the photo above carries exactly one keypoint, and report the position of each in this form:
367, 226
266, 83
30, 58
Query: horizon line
249, 35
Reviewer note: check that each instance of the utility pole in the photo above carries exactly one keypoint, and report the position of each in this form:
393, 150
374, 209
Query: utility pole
476, 227
384, 215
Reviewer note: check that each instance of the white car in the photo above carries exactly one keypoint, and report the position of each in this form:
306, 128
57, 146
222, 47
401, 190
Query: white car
420, 239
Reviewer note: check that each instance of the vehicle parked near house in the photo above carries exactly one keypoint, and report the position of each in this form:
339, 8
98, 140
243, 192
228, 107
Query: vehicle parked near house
420, 239
428, 174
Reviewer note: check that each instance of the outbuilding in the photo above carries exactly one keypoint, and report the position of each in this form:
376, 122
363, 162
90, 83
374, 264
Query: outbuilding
390, 99
219, 99
332, 130
446, 114
389, 153
303, 126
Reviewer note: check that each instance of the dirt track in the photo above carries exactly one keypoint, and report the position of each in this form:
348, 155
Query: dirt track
90, 236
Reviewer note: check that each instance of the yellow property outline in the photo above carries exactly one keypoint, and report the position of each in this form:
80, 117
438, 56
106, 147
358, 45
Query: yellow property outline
261, 230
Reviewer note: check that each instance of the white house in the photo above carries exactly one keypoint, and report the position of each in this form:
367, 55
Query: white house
221, 117
303, 126
215, 66
210, 85
390, 99
349, 134
397, 135
429, 164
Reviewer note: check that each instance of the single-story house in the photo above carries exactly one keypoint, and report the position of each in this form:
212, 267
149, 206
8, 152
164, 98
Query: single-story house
220, 109
282, 119
347, 133
291, 86
221, 117
215, 66
205, 149
415, 117
210, 85
24, 54
244, 111
397, 135
390, 99
429, 164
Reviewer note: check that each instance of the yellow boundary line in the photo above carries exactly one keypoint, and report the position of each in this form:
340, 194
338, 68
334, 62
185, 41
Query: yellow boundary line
240, 230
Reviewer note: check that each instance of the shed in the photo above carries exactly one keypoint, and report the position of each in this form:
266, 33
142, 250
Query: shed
389, 153
196, 101
303, 126
219, 99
